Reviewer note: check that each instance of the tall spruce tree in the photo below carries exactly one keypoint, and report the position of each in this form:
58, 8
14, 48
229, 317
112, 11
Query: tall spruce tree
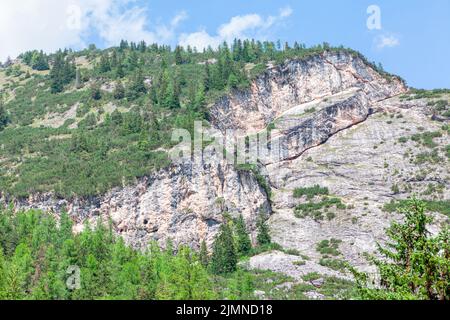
263, 236
244, 244
4, 119
203, 255
224, 256
414, 264
178, 55
137, 86
39, 61
62, 72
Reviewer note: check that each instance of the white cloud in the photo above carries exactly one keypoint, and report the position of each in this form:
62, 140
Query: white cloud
199, 40
286, 12
50, 25
35, 24
244, 26
180, 17
386, 41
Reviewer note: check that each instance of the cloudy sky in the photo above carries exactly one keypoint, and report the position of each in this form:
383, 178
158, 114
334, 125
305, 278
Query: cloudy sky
410, 38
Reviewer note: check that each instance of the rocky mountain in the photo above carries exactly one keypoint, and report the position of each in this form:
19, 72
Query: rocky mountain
361, 137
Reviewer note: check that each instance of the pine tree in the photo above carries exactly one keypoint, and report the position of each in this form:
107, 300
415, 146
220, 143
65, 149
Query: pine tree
120, 73
132, 61
207, 81
62, 72
123, 45
244, 244
203, 255
69, 70
187, 279
224, 257
178, 55
237, 50
96, 94
227, 62
415, 265
233, 81
56, 78
19, 273
114, 61
104, 65
137, 86
263, 236
4, 119
174, 95
39, 61
119, 91
2, 275
65, 227
200, 102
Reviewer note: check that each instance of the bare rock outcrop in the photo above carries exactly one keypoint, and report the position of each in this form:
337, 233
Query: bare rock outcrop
184, 203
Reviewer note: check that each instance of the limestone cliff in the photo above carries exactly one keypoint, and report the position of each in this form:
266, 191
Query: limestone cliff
337, 121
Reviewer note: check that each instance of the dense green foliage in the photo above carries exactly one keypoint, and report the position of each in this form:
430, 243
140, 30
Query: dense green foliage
243, 243
316, 209
38, 254
329, 247
224, 257
37, 60
310, 192
441, 206
416, 264
263, 236
425, 94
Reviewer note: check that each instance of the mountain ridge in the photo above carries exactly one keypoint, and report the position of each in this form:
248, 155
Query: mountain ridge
312, 105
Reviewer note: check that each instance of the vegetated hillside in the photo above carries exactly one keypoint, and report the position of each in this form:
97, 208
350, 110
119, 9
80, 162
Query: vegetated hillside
99, 119
91, 137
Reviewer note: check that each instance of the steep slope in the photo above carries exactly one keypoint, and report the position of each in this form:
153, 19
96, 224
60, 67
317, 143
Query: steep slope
297, 82
338, 123
365, 167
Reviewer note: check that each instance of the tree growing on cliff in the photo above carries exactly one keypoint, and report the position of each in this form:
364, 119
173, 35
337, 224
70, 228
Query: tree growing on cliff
263, 236
415, 265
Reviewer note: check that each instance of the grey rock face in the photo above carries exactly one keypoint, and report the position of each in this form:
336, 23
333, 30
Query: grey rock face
298, 82
184, 203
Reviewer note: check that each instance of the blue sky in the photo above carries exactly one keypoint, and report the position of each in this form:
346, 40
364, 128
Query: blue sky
413, 41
